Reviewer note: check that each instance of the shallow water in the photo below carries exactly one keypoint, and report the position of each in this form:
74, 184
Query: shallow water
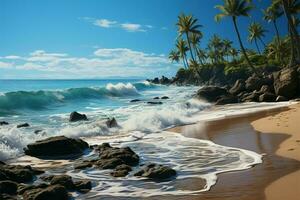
46, 105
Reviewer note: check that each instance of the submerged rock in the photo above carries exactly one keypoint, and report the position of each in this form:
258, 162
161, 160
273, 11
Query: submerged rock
2, 123
165, 97
75, 116
156, 98
63, 180
121, 171
18, 173
8, 187
23, 125
154, 102
155, 171
83, 186
111, 123
56, 146
135, 100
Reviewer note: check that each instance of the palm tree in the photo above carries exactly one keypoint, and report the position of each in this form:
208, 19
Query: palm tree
233, 53
290, 8
256, 32
182, 49
215, 46
195, 40
234, 9
174, 56
227, 44
187, 24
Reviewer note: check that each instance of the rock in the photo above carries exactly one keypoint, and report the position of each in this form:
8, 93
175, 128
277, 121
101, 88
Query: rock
63, 180
228, 99
266, 88
52, 192
164, 80
8, 187
155, 80
110, 163
75, 116
23, 125
56, 146
135, 100
7, 197
281, 98
83, 186
267, 97
165, 97
17, 173
111, 123
211, 93
238, 87
158, 172
255, 83
2, 123
83, 165
286, 83
121, 171
156, 98
23, 188
252, 97
154, 102
125, 154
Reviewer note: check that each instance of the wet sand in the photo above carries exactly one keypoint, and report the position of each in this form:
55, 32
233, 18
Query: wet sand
277, 177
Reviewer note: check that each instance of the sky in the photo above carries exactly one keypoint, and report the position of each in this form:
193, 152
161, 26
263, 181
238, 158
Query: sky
90, 39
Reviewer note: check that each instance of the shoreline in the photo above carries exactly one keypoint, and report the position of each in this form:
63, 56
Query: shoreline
277, 177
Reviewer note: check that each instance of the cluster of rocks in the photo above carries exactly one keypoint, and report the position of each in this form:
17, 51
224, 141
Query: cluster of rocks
155, 102
163, 80
18, 180
279, 86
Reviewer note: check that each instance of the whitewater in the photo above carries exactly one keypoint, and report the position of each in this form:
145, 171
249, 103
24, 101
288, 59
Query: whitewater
46, 106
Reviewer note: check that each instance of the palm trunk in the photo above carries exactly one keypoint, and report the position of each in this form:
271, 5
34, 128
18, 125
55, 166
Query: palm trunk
184, 63
278, 40
187, 63
262, 41
255, 41
189, 44
293, 57
293, 32
198, 54
242, 46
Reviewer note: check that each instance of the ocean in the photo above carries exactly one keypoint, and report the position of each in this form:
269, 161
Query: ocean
47, 104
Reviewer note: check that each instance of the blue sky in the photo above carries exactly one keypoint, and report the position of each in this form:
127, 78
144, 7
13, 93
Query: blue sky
102, 38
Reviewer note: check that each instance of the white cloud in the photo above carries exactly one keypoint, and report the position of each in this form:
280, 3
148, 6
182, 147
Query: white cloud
12, 57
104, 62
133, 27
105, 23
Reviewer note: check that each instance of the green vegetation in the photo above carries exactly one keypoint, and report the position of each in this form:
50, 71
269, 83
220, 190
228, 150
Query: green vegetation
220, 57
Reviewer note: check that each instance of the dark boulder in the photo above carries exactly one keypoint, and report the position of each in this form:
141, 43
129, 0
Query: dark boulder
2, 123
227, 99
238, 87
75, 116
155, 80
59, 146
165, 97
251, 97
135, 100
110, 163
267, 97
154, 102
52, 192
158, 172
121, 171
18, 173
164, 80
255, 83
23, 125
83, 165
8, 187
156, 98
286, 83
23, 187
83, 186
111, 123
266, 88
63, 180
125, 154
211, 93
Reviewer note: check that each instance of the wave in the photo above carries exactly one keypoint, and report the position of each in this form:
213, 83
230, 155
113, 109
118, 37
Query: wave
37, 100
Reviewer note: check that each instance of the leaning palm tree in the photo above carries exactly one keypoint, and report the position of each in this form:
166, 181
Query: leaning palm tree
234, 9
271, 14
256, 32
182, 49
187, 25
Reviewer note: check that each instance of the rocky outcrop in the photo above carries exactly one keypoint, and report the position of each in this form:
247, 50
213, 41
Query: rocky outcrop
59, 146
157, 172
75, 116
211, 93
227, 99
267, 97
255, 82
111, 123
238, 87
286, 83
2, 123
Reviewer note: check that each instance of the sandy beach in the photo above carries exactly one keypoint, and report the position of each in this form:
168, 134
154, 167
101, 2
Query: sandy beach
272, 133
